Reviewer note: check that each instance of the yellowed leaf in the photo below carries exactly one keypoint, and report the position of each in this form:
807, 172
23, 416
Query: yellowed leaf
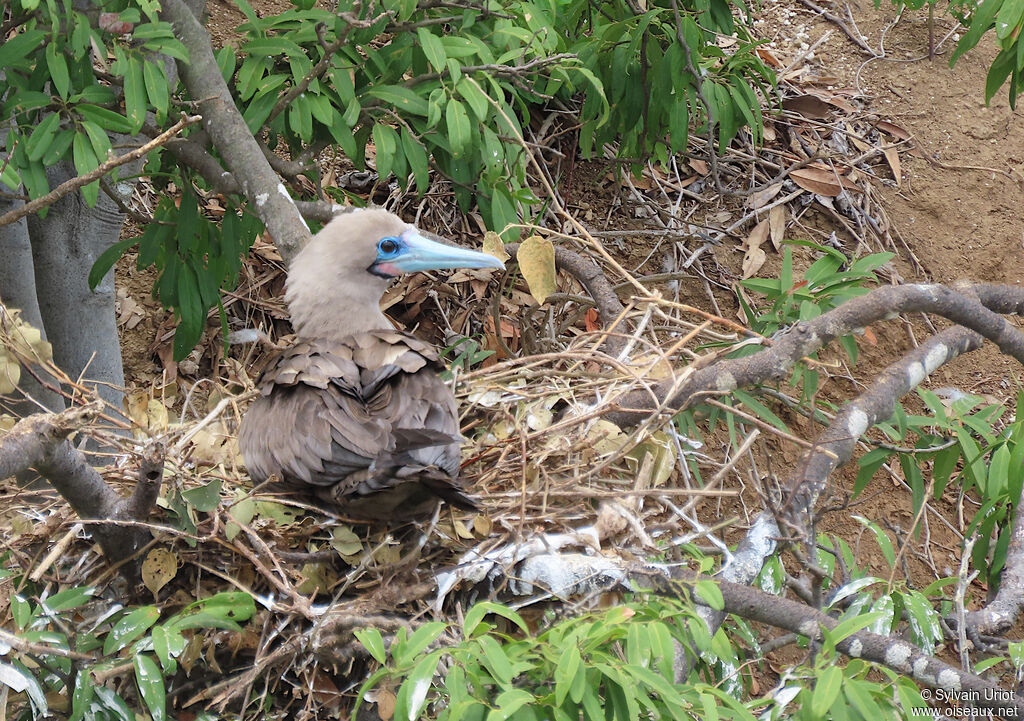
777, 225
536, 258
493, 245
753, 256
10, 374
157, 418
158, 568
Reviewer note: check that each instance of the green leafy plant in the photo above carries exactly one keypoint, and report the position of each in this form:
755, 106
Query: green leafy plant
965, 442
616, 664
465, 354
111, 638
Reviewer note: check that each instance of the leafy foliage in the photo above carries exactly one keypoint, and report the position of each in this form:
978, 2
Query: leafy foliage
616, 665
78, 625
964, 442
410, 84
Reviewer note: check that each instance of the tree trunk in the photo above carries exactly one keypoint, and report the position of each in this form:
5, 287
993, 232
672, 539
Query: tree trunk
18, 290
82, 323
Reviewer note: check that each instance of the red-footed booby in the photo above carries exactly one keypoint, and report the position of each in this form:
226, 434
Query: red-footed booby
355, 411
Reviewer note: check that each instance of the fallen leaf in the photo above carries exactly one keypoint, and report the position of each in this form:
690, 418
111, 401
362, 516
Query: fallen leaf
822, 182
762, 198
870, 336
699, 165
893, 158
810, 106
591, 321
536, 259
777, 225
768, 57
158, 568
892, 129
753, 256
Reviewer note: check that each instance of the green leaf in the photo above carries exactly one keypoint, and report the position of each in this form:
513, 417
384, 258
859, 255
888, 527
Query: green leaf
134, 93
58, 148
475, 98
826, 690
373, 642
157, 88
205, 498
882, 539
151, 686
412, 697
129, 628
98, 139
418, 160
459, 129
58, 66
385, 139
85, 162
711, 593
168, 645
15, 52
402, 98
433, 48
42, 137
69, 598
106, 119
565, 672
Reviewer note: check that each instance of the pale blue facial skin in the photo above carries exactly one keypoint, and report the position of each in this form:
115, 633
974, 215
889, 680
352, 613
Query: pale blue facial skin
411, 252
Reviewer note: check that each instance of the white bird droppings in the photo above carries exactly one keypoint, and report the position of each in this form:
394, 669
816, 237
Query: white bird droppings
856, 648
936, 357
858, 423
725, 382
262, 198
949, 679
898, 655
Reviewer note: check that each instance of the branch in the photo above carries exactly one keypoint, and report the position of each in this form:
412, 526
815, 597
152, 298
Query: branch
105, 167
230, 135
41, 442
836, 445
774, 363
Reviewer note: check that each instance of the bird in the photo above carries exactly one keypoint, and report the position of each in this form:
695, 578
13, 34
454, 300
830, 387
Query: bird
355, 412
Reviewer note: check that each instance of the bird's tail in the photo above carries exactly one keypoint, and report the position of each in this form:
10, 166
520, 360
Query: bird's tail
400, 463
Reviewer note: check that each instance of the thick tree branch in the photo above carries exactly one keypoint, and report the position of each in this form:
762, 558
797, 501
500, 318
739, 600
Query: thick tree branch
836, 445
230, 135
774, 363
41, 442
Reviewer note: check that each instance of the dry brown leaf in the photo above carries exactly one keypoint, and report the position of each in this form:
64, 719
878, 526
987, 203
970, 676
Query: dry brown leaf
536, 259
158, 568
762, 198
493, 245
810, 106
822, 182
777, 225
768, 57
753, 256
893, 158
892, 129
699, 166
592, 321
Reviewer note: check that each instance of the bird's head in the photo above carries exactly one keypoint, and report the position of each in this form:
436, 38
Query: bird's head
335, 283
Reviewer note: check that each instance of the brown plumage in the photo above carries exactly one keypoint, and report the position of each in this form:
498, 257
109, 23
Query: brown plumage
355, 411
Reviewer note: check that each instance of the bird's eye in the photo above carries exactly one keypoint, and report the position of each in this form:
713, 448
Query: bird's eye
388, 246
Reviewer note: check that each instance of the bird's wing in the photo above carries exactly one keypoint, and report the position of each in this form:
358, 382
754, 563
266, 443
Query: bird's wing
329, 410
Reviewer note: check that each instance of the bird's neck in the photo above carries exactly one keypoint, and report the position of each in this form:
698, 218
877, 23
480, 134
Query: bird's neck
333, 313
